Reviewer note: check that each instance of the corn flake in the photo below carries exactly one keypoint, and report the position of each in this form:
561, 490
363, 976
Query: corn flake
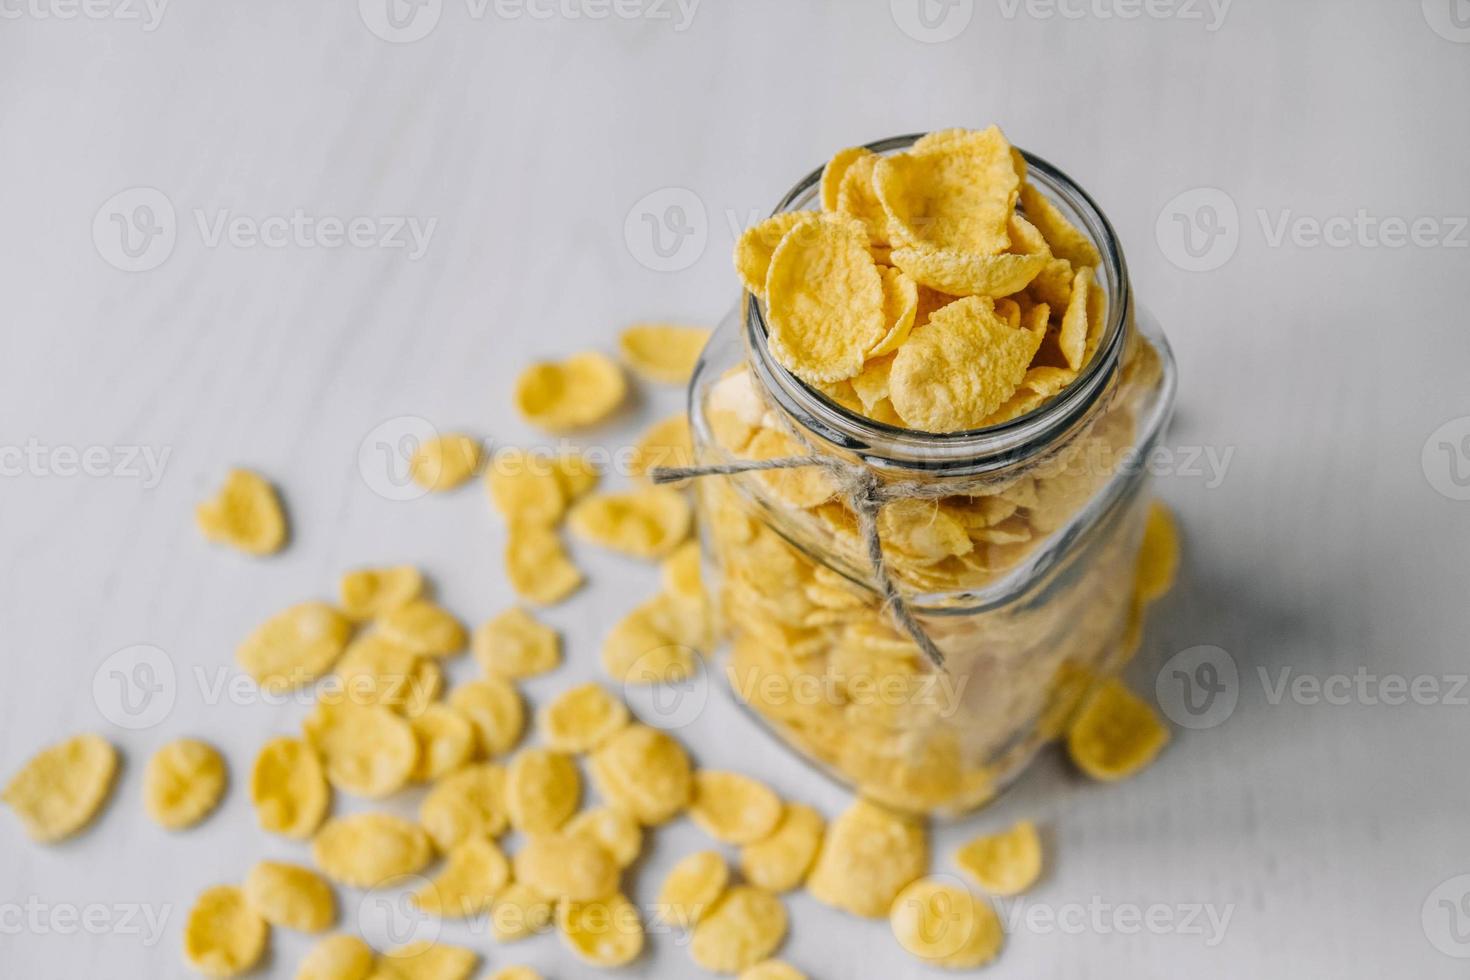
529, 487
379, 670
493, 706
514, 644
781, 861
692, 887
183, 783
617, 832
295, 646
824, 301
446, 741
423, 960
223, 937
519, 912
339, 957
648, 646
578, 392
756, 245
646, 523
606, 932
1116, 734
567, 867
662, 352
474, 872
869, 854
538, 567
956, 192
290, 896
516, 973
582, 718
666, 444
367, 749
1004, 864
61, 788
644, 772
1065, 241
733, 808
366, 593
945, 925
245, 514
743, 928
542, 790
966, 274
365, 849
1158, 558
289, 789
772, 970
1073, 336
425, 628
445, 462
464, 805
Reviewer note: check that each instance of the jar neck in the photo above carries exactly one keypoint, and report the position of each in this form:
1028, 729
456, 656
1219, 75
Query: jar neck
981, 451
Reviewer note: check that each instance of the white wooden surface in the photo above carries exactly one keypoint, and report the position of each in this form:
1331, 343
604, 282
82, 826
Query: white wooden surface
1332, 546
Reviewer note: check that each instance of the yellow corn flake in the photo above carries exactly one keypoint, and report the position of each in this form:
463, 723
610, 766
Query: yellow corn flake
290, 896
519, 912
61, 788
772, 970
857, 198
542, 790
1116, 734
581, 718
743, 928
1026, 238
576, 473
733, 808
367, 593
662, 352
445, 462
922, 530
1065, 241
665, 444
871, 386
514, 644
295, 647
824, 301
474, 872
756, 245
183, 783
1004, 864
618, 833
900, 306
681, 573
868, 855
960, 367
446, 741
578, 392
538, 567
692, 887
835, 170
1047, 381
365, 849
1073, 336
379, 670
648, 522
605, 933
423, 960
339, 957
245, 514
367, 749
945, 925
425, 628
530, 488
806, 486
1158, 558
566, 867
966, 274
647, 645
516, 973
493, 706
223, 937
781, 861
464, 805
956, 192
643, 772
289, 789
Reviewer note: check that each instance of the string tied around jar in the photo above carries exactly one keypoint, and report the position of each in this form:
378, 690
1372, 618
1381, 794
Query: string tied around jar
866, 495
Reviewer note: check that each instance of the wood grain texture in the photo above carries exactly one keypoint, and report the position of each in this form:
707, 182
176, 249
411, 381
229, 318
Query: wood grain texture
1324, 550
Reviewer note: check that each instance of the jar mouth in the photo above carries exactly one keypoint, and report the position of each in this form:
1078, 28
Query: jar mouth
974, 451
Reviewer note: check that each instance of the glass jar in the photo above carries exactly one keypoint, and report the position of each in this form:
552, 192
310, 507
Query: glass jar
1031, 607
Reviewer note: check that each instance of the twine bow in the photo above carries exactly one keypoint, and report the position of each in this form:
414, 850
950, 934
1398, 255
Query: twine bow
866, 495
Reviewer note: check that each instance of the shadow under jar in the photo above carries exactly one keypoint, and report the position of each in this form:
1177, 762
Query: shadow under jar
1028, 591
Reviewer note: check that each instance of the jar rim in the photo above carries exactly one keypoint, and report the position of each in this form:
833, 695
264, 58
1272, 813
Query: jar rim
973, 451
